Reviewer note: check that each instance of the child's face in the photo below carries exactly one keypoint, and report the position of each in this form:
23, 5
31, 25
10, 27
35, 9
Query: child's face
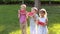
42, 13
23, 8
34, 11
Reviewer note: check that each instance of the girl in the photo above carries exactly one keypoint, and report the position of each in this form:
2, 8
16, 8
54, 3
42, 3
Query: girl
42, 22
33, 17
22, 18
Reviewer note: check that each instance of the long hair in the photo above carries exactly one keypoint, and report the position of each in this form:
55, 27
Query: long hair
44, 11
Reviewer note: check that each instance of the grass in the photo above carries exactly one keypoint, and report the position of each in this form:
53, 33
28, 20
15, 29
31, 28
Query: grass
9, 23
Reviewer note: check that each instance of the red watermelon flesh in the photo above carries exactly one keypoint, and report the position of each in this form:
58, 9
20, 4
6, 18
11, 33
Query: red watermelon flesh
22, 11
30, 13
41, 23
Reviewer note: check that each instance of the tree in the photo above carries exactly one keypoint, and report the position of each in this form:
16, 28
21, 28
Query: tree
6, 1
22, 1
37, 4
49, 2
1, 0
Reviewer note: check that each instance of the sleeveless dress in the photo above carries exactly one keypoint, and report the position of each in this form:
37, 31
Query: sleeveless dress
42, 29
22, 16
33, 25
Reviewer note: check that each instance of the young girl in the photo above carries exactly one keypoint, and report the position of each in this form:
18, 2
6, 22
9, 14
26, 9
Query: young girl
33, 17
22, 18
42, 22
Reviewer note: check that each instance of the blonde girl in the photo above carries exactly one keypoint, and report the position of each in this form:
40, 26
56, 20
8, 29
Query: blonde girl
43, 21
33, 19
22, 18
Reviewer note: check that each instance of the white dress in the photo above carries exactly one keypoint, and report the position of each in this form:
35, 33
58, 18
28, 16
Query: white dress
42, 29
33, 25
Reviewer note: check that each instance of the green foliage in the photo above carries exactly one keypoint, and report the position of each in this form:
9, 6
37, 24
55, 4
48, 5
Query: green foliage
44, 0
25, 0
6, 1
1, 0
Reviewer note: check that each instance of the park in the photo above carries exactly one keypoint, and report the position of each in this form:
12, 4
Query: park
9, 22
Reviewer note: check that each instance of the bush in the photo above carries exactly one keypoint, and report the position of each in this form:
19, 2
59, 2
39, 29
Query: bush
6, 1
1, 1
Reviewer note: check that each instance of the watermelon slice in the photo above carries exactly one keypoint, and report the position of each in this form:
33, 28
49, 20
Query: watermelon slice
41, 23
30, 13
22, 11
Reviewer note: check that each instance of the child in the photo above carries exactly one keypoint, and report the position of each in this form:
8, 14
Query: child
33, 17
22, 18
42, 24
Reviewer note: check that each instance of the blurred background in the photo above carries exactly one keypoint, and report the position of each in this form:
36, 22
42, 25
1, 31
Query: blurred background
9, 22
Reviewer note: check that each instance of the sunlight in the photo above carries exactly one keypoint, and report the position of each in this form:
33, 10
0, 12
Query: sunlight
16, 32
19, 31
55, 29
28, 30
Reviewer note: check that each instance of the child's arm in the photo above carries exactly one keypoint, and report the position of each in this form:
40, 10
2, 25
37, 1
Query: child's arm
26, 14
18, 13
46, 21
36, 19
37, 22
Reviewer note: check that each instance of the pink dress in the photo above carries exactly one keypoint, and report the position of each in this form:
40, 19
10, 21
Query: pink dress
22, 16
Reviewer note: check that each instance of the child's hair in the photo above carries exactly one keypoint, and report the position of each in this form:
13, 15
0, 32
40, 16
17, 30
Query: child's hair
34, 8
23, 5
44, 11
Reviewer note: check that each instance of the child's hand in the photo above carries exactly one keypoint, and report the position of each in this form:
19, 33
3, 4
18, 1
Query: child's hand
45, 24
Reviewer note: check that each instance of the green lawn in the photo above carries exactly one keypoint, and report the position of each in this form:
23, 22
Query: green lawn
9, 23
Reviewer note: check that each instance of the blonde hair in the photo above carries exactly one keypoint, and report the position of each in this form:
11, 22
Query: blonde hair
44, 11
23, 5
34, 8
